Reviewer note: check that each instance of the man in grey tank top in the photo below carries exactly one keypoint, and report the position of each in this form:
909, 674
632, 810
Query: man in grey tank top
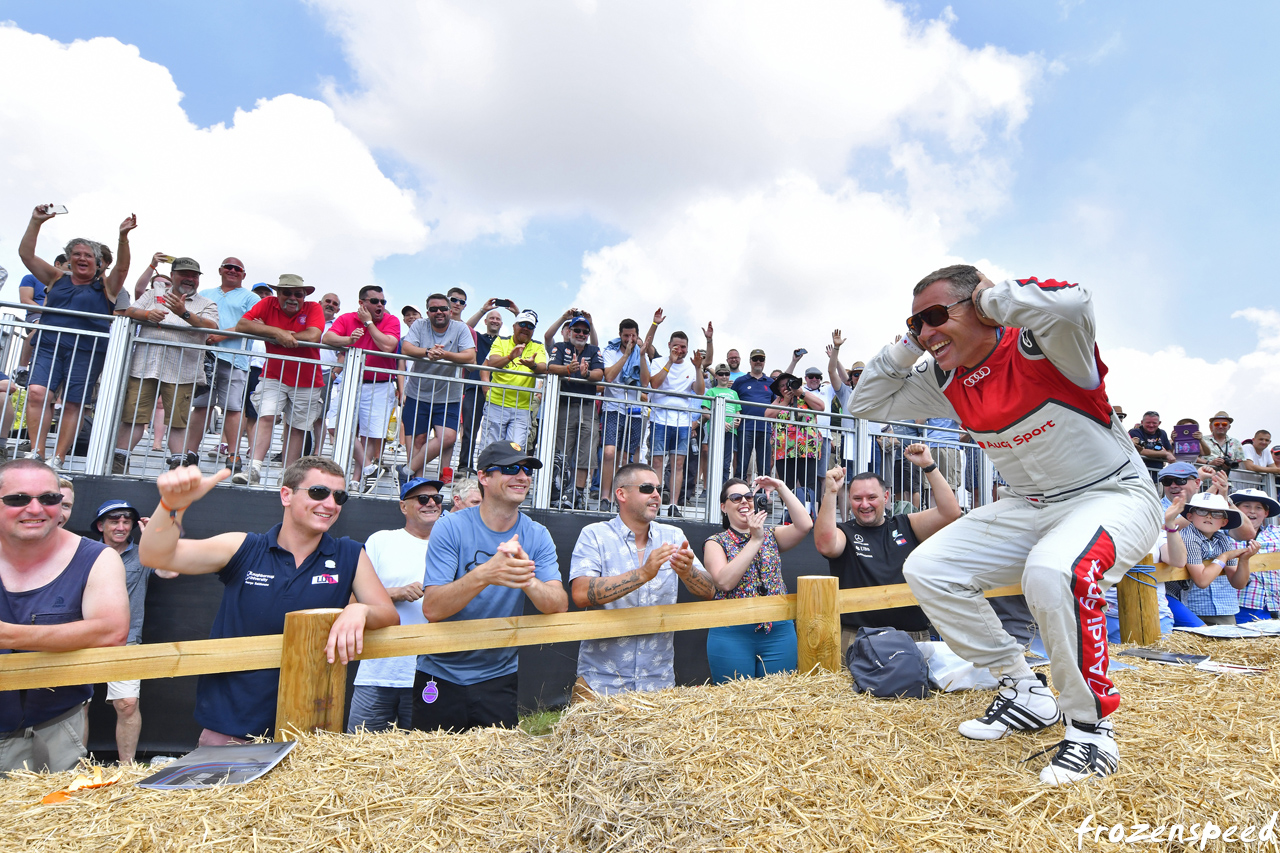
58, 592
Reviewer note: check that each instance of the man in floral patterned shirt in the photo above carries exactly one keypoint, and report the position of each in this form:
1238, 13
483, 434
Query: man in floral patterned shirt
631, 561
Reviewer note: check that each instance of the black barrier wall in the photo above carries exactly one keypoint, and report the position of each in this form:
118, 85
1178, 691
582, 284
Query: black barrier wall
183, 608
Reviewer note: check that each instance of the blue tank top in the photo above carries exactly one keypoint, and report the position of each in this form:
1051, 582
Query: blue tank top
90, 298
55, 603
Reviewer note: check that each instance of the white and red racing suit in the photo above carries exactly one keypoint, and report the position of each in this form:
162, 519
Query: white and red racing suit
1079, 510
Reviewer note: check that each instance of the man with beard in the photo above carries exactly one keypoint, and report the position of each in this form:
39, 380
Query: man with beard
632, 561
295, 388
295, 565
114, 525
383, 694
373, 328
433, 406
58, 592
579, 362
164, 365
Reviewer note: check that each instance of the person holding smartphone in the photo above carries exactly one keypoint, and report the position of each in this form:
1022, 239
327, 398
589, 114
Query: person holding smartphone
745, 561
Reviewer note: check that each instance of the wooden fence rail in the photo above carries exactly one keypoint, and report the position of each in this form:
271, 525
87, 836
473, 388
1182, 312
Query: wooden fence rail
311, 690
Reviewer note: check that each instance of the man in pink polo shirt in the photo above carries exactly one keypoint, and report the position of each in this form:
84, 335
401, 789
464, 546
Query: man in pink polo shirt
373, 328
296, 388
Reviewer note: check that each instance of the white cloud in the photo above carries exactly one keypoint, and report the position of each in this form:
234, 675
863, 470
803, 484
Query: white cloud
286, 187
631, 112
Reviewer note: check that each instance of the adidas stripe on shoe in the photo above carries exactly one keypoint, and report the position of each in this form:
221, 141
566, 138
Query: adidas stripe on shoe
1086, 751
1023, 706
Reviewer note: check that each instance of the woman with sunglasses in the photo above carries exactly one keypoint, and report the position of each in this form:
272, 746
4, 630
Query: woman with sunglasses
745, 560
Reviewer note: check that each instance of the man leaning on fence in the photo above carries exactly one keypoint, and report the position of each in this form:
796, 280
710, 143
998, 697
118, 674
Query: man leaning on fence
483, 563
432, 404
295, 565
165, 365
293, 388
58, 592
632, 561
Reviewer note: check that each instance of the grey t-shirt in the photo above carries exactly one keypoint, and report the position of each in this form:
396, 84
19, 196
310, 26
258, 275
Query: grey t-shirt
136, 577
456, 338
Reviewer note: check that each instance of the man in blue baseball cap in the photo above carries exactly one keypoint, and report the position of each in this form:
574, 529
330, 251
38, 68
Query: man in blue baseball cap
383, 693
115, 523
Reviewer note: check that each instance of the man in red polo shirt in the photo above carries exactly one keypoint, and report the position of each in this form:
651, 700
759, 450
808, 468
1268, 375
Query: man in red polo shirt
373, 328
296, 388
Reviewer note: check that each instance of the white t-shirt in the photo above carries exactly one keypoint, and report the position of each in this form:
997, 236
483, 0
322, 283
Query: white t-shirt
678, 411
1262, 460
615, 399
399, 558
826, 392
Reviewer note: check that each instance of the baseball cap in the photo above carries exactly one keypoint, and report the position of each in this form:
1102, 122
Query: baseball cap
526, 316
262, 286
812, 371
505, 453
580, 320
1179, 469
756, 352
415, 483
184, 264
113, 506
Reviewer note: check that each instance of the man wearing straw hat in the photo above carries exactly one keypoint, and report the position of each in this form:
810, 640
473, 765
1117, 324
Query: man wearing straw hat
1016, 363
294, 388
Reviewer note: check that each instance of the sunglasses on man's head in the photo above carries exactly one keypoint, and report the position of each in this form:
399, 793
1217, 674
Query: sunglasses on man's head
373, 301
423, 500
437, 309
319, 493
232, 268
934, 315
1174, 481
20, 500
509, 470
1212, 513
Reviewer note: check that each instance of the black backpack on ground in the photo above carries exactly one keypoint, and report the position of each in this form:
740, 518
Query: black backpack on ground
886, 663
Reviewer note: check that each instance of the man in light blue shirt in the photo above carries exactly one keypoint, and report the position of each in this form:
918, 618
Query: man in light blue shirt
482, 564
632, 561
231, 373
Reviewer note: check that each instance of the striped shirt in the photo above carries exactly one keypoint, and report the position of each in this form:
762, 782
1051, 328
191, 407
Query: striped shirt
1263, 591
1219, 597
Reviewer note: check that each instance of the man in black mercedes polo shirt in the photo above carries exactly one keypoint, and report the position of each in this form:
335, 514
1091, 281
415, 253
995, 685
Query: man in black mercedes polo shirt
870, 548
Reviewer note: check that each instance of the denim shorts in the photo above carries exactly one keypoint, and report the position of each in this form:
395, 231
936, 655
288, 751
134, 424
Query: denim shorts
670, 439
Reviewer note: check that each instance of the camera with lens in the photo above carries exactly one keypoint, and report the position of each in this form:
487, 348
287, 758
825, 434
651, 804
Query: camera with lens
761, 501
794, 383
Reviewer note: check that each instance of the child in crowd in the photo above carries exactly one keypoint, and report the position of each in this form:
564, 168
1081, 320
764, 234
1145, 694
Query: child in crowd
1216, 568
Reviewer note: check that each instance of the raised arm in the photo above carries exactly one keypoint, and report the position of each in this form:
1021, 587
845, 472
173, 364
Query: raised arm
790, 535
115, 279
161, 546
828, 538
945, 509
46, 272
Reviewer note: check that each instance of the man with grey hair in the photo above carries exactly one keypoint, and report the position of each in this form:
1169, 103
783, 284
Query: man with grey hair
62, 356
1017, 364
466, 494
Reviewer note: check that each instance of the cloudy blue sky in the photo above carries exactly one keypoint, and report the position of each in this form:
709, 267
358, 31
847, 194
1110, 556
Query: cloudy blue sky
778, 171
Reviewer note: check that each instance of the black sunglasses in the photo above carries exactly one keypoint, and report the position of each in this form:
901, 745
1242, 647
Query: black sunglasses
21, 500
723, 374
289, 291
738, 498
375, 301
319, 493
423, 500
642, 488
438, 309
232, 268
510, 470
757, 359
116, 516
456, 301
934, 315
1170, 481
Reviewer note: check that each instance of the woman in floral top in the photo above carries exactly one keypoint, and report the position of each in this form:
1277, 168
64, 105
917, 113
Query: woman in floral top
797, 444
745, 561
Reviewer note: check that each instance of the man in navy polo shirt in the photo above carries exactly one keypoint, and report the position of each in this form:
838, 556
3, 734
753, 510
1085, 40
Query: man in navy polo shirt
753, 435
295, 565
482, 564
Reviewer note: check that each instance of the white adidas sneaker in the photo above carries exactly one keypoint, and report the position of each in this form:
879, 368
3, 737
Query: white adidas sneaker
1088, 750
1022, 706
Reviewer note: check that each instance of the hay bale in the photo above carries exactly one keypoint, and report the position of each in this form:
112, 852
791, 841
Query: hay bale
786, 763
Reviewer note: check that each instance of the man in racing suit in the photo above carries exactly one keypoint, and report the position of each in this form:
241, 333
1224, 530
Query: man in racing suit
1016, 363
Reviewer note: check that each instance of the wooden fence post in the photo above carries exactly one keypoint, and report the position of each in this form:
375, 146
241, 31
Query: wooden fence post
313, 692
818, 623
1139, 607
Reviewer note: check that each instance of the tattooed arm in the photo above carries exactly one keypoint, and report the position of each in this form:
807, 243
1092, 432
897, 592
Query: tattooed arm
595, 591
696, 579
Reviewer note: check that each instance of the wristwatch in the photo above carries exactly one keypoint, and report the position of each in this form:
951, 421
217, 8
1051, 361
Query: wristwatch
186, 315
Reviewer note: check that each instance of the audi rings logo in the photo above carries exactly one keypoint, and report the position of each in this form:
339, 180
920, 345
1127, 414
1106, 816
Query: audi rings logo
977, 376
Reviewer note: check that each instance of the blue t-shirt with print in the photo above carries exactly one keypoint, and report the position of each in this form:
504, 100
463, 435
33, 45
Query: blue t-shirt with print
459, 542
